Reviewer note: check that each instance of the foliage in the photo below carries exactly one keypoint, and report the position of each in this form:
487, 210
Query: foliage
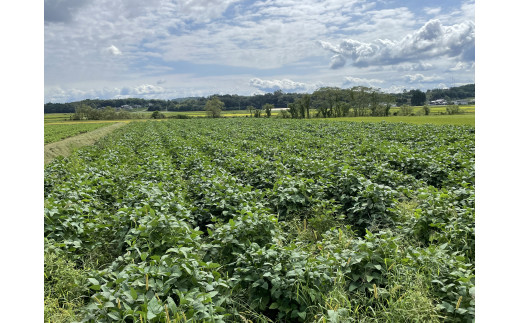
268, 108
405, 110
263, 220
64, 286
157, 115
86, 112
426, 110
213, 107
418, 97
453, 109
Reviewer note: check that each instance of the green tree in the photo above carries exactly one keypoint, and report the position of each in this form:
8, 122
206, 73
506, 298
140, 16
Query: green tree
406, 110
426, 110
109, 113
418, 97
293, 109
214, 107
251, 109
327, 99
158, 115
306, 104
359, 97
268, 108
453, 109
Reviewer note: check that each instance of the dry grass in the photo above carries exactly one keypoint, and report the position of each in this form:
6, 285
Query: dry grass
66, 146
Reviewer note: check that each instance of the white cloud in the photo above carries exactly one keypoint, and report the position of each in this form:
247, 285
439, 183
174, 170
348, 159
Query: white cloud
147, 89
394, 89
463, 66
113, 50
415, 67
432, 11
59, 94
417, 78
350, 80
284, 85
202, 10
431, 40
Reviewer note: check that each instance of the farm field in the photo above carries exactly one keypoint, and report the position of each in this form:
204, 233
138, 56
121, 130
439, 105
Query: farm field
57, 132
263, 220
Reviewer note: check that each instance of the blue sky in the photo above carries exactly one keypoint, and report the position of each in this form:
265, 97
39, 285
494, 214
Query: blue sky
167, 49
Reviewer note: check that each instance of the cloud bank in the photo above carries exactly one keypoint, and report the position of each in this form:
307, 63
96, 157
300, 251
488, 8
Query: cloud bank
431, 41
285, 85
110, 48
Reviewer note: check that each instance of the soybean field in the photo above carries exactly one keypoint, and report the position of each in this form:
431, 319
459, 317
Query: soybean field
263, 220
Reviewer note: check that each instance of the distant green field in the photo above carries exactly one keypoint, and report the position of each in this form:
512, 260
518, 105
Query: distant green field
56, 117
57, 132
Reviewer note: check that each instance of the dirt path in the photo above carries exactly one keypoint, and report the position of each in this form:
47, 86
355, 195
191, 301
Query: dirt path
66, 146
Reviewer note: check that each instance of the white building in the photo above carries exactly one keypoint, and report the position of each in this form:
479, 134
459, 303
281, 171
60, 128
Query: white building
438, 102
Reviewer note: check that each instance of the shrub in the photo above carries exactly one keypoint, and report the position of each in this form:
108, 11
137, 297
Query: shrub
453, 109
157, 115
405, 110
426, 110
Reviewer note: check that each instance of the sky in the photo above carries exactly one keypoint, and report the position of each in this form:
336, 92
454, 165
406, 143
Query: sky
168, 49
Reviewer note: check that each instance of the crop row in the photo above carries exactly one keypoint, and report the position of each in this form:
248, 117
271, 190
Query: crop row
283, 220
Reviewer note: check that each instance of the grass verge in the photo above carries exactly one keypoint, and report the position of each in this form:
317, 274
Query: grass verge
66, 146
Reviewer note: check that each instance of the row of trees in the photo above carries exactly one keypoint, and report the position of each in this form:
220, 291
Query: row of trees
328, 102
231, 102
86, 112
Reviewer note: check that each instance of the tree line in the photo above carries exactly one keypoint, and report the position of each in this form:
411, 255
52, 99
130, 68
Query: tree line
231, 102
328, 101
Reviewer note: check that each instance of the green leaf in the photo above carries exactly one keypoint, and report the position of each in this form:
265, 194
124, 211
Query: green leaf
460, 310
133, 293
114, 316
150, 316
93, 281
